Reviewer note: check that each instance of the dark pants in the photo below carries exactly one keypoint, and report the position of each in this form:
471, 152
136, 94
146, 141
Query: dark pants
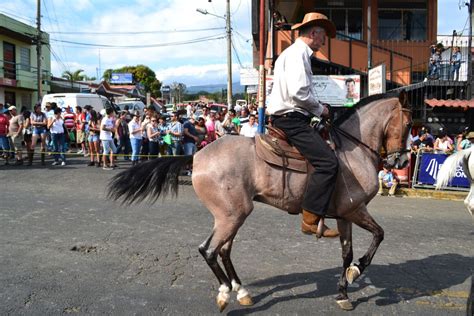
322, 181
153, 149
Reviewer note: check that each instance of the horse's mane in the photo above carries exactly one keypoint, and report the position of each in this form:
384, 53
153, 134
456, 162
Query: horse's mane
362, 103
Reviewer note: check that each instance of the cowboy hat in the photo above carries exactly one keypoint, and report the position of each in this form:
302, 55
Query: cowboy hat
470, 135
317, 19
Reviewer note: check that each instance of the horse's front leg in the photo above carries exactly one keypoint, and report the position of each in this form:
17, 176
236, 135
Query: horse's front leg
345, 229
363, 219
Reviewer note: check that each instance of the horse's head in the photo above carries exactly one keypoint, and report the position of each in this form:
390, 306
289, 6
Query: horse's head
397, 129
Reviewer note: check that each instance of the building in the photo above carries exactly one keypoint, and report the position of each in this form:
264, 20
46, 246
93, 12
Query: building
18, 65
399, 35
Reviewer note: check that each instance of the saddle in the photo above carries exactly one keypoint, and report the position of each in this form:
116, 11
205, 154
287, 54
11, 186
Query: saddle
274, 149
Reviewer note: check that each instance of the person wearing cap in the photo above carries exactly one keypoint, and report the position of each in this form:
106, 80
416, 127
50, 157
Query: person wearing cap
387, 180
292, 105
16, 132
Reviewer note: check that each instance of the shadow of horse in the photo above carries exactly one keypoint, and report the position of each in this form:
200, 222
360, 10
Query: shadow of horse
395, 282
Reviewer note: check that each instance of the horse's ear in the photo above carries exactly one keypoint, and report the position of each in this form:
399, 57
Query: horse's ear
403, 99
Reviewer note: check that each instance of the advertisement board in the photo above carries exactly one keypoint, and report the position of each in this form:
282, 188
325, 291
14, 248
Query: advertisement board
336, 90
429, 168
377, 80
120, 78
248, 77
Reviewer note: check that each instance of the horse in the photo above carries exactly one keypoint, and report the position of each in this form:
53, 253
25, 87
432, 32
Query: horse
448, 170
228, 176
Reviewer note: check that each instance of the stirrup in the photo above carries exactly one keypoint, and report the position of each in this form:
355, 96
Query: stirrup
320, 229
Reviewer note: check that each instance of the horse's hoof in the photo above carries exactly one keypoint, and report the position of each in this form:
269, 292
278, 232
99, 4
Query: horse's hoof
221, 305
246, 301
352, 273
345, 304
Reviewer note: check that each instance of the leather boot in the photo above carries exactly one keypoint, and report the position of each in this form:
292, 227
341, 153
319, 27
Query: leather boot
309, 225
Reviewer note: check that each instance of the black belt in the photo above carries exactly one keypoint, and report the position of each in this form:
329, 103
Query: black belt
294, 114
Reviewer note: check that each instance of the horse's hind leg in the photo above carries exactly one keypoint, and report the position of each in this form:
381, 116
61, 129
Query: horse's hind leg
363, 219
225, 228
345, 229
243, 295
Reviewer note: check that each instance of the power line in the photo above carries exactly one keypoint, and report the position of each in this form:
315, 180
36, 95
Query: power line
138, 33
197, 40
237, 55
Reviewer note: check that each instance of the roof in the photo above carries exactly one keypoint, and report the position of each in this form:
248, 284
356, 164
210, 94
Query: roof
456, 103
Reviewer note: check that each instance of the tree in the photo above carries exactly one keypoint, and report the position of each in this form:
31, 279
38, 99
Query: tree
141, 74
73, 76
178, 90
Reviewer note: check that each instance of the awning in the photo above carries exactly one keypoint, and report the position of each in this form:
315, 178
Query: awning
456, 103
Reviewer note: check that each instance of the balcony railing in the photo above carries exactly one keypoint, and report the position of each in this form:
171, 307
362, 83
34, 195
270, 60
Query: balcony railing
21, 75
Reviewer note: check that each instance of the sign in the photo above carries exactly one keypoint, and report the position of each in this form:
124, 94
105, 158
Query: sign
337, 90
248, 77
252, 89
119, 78
429, 168
165, 88
377, 80
7, 82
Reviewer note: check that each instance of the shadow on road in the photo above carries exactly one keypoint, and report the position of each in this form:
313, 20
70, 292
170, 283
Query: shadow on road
395, 282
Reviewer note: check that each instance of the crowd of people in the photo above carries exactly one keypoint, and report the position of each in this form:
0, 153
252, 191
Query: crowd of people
434, 66
103, 137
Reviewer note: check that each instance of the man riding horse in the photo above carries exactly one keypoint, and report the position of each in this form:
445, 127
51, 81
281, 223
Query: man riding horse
293, 103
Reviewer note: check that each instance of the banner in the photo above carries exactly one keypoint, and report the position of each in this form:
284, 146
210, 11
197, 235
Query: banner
337, 90
377, 81
429, 168
248, 77
118, 78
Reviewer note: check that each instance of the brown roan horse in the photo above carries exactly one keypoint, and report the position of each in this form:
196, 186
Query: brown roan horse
228, 177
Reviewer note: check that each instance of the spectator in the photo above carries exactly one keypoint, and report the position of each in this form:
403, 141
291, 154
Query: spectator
455, 63
93, 140
435, 62
27, 137
4, 143
176, 132
467, 141
70, 123
123, 135
135, 136
387, 180
163, 127
230, 123
153, 133
56, 127
39, 123
219, 125
279, 21
80, 129
190, 137
107, 127
15, 132
422, 143
87, 116
211, 128
244, 116
443, 143
250, 128
144, 144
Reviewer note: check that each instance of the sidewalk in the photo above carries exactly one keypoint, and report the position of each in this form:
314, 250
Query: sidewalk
433, 194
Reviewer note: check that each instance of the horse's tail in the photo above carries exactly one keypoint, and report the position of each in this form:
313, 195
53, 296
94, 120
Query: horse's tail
151, 179
448, 169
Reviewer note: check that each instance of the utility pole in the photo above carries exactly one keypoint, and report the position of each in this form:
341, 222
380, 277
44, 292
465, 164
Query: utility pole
469, 54
38, 49
369, 35
261, 70
229, 57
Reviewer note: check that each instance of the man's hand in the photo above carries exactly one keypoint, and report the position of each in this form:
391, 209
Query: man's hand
325, 113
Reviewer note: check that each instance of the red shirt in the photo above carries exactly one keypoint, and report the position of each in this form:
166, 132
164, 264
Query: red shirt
4, 125
69, 120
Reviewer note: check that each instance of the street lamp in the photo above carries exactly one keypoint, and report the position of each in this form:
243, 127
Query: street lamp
229, 49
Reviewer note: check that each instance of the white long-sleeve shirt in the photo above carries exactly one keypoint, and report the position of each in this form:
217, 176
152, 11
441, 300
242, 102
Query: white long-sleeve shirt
292, 82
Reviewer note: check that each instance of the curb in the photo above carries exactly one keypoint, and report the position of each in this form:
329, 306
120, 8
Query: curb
433, 194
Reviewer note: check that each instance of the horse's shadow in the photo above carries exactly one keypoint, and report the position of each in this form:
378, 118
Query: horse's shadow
395, 282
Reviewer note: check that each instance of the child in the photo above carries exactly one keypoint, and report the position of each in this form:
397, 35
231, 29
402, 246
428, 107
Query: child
387, 180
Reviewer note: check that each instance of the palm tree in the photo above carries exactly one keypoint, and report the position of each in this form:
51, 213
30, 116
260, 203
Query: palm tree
73, 76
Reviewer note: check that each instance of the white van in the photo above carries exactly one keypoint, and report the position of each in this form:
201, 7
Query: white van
98, 102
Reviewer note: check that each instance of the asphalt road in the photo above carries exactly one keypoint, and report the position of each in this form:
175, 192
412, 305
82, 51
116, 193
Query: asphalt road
64, 248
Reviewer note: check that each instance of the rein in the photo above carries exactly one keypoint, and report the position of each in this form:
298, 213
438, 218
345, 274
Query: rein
336, 130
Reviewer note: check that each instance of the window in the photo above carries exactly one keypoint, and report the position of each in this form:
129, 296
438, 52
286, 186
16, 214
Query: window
348, 22
402, 20
25, 59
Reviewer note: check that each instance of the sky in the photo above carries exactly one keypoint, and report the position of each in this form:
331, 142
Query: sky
166, 25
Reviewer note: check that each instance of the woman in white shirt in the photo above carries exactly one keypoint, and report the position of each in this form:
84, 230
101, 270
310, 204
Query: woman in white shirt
56, 128
135, 130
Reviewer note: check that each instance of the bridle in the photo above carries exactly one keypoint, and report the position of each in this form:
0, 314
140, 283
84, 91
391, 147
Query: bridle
396, 154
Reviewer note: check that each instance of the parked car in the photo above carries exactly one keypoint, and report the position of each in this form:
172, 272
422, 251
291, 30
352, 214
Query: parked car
98, 102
